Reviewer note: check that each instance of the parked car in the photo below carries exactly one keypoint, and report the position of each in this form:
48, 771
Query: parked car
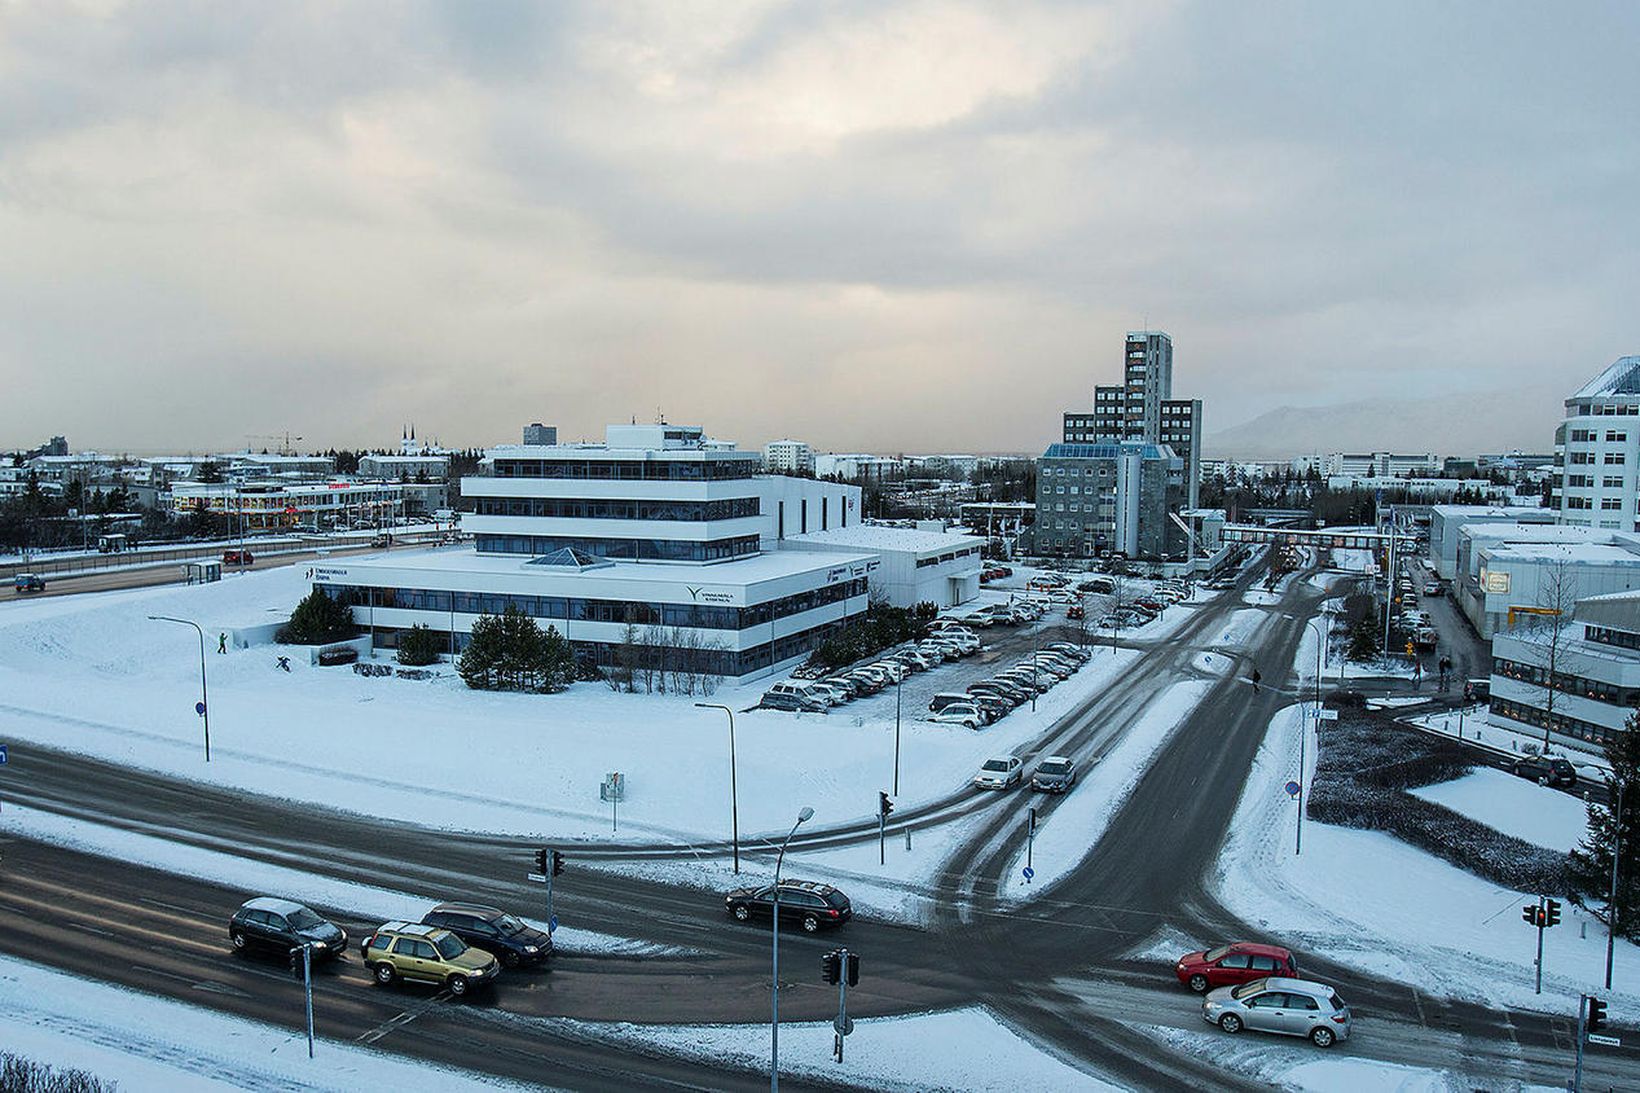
995, 706
1003, 772
1228, 965
1545, 770
805, 903
894, 670
835, 693
1075, 652
1075, 613
1434, 588
803, 690
1001, 688
869, 682
268, 922
505, 937
978, 618
948, 698
1055, 774
962, 713
1288, 1007
29, 582
237, 557
427, 954
793, 703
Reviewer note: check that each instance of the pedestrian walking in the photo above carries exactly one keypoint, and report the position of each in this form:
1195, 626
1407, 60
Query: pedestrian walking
222, 643
1256, 678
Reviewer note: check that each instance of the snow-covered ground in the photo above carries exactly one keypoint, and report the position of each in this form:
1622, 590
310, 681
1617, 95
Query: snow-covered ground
1366, 899
964, 1049
144, 1042
92, 674
1515, 806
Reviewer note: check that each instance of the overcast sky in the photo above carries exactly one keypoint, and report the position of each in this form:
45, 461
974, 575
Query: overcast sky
880, 226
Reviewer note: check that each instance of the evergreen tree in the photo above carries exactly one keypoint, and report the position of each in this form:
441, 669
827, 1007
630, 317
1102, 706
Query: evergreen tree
509, 652
317, 619
419, 646
1591, 863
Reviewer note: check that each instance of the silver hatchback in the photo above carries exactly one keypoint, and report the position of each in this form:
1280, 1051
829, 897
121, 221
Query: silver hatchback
1291, 1007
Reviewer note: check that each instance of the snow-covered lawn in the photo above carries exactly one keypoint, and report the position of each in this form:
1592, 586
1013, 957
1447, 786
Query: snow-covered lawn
964, 1049
144, 1042
1365, 898
92, 674
1514, 806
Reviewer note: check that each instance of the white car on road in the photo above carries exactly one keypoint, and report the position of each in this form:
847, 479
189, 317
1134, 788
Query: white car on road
1003, 772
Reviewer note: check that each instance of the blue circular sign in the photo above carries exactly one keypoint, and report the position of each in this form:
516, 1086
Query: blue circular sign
1292, 789
1029, 872
199, 708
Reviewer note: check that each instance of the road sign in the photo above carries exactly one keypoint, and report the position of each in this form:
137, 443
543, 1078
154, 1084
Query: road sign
2, 755
843, 1025
199, 708
1292, 789
1609, 1041
552, 924
538, 878
1329, 715
1029, 873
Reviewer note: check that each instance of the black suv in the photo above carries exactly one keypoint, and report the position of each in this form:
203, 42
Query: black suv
1546, 771
807, 903
503, 936
267, 922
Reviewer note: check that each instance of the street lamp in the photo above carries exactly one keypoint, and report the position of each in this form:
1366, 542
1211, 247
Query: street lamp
1303, 733
803, 817
1611, 903
734, 791
897, 681
204, 699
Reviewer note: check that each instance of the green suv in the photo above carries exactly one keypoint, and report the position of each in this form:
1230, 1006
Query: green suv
427, 954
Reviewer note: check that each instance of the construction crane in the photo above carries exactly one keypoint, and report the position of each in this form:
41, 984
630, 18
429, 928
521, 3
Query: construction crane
284, 439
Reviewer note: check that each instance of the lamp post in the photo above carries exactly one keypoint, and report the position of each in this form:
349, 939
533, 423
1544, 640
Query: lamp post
1611, 903
204, 699
897, 681
734, 791
774, 1027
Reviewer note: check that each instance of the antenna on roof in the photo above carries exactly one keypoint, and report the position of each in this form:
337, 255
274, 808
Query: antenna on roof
660, 418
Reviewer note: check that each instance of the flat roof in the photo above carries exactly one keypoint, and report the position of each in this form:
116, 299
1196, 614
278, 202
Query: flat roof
767, 566
872, 537
1596, 553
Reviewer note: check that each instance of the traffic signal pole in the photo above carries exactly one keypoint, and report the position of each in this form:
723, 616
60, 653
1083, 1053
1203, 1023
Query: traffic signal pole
1542, 917
1582, 1017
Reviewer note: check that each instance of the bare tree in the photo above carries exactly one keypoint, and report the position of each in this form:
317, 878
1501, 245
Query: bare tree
1545, 628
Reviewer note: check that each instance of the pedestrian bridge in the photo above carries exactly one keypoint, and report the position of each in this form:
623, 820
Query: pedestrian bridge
1315, 537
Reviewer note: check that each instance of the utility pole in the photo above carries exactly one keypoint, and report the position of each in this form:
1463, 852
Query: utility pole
897, 682
306, 949
1030, 845
1611, 901
1582, 1018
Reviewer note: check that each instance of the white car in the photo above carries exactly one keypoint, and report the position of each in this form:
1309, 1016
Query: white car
961, 713
894, 670
1003, 772
979, 618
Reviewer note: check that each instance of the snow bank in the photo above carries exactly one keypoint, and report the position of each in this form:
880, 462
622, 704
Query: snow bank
148, 1043
1514, 806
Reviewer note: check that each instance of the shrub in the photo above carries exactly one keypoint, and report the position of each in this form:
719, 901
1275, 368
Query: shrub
20, 1075
880, 627
1361, 780
419, 646
318, 619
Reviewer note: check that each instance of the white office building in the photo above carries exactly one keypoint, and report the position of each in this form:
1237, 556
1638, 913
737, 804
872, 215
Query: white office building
937, 567
1504, 582
1599, 450
273, 506
1380, 465
1447, 522
858, 467
1596, 679
788, 457
655, 529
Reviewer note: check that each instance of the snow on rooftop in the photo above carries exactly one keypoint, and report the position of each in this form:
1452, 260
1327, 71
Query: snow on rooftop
1595, 553
767, 566
873, 537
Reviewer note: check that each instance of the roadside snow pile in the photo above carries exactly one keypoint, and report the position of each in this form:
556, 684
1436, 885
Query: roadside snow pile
1294, 1065
966, 1049
144, 1042
1515, 806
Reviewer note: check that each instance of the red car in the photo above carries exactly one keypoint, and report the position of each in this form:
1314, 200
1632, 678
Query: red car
1074, 612
237, 557
1239, 962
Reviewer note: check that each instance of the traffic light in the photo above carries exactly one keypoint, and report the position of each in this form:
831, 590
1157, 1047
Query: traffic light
1528, 914
1597, 1016
831, 965
1553, 911
854, 969
541, 861
557, 863
884, 805
296, 962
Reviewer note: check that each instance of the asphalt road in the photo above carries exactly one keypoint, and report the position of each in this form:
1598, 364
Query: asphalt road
1057, 968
